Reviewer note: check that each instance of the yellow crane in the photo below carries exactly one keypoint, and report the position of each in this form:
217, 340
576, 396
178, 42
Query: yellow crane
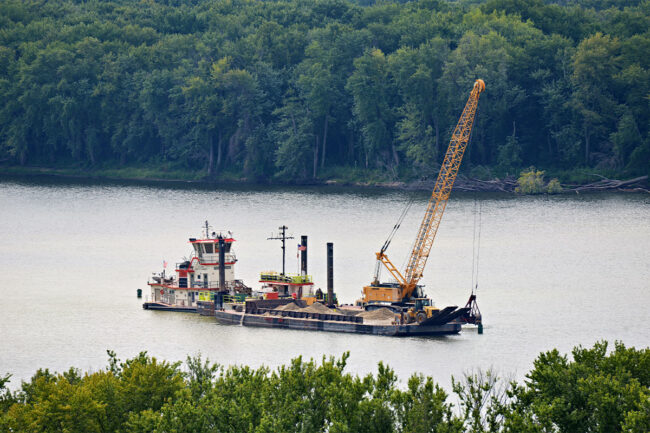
406, 289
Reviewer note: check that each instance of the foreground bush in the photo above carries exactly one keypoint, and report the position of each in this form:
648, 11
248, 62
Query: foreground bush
594, 392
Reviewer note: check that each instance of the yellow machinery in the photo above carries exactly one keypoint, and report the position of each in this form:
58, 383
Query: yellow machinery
406, 290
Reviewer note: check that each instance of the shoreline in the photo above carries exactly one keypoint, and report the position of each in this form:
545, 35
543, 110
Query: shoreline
463, 184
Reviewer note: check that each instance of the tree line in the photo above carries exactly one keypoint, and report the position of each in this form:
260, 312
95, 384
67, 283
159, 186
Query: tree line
304, 89
598, 390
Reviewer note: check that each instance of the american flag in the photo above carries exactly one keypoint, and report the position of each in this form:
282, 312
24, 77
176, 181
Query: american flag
302, 247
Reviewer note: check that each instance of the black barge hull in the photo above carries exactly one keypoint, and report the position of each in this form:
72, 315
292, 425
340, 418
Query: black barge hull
166, 307
266, 321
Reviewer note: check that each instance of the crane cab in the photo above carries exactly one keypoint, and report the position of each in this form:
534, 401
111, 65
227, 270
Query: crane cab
380, 293
391, 293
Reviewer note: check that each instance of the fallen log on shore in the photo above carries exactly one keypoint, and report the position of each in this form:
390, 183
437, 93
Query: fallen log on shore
509, 183
638, 184
465, 184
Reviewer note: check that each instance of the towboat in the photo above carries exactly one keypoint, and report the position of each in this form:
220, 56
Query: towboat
210, 269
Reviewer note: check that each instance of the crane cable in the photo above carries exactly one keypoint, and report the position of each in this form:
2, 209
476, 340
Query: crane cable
476, 244
396, 227
397, 224
401, 217
392, 234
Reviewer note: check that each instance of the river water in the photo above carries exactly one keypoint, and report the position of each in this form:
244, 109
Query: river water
553, 272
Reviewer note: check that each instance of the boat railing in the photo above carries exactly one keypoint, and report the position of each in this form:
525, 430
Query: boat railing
156, 279
285, 278
238, 298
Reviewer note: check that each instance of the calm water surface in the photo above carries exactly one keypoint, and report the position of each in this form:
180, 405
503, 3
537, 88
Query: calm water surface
553, 272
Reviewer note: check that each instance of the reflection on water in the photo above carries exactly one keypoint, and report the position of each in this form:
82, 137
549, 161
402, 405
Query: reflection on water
553, 272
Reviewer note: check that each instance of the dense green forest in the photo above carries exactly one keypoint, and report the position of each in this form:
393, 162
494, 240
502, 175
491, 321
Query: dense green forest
316, 89
598, 391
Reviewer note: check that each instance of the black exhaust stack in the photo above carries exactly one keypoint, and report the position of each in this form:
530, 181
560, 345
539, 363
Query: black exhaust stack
330, 273
222, 264
303, 255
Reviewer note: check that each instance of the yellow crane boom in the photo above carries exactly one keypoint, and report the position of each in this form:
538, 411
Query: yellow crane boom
435, 208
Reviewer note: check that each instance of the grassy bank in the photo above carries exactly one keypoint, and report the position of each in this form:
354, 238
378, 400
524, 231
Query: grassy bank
149, 173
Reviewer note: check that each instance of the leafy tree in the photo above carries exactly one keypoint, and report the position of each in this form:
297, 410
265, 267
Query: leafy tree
595, 62
509, 156
530, 181
295, 136
210, 89
373, 92
416, 73
596, 392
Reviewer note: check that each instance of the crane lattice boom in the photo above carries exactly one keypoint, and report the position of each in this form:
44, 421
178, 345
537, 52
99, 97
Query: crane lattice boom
438, 201
442, 188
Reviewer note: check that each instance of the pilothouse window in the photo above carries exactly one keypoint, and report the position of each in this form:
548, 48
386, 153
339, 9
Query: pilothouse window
208, 248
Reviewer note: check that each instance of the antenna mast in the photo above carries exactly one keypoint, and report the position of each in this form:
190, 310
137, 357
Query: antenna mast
282, 236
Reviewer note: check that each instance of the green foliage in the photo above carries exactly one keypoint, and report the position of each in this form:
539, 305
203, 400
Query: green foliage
6, 398
95, 402
530, 181
554, 186
595, 392
481, 172
481, 399
509, 154
293, 90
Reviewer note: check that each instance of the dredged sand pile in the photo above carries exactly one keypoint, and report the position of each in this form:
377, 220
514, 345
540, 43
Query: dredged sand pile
316, 307
380, 314
292, 306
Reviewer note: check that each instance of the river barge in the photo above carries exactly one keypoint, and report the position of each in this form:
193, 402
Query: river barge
269, 314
